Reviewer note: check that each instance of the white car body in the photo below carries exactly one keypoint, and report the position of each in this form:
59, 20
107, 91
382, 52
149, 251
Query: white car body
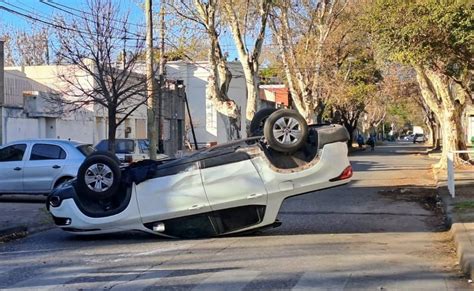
40, 167
236, 187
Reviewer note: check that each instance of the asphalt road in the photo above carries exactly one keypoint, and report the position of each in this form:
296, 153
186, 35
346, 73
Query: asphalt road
383, 231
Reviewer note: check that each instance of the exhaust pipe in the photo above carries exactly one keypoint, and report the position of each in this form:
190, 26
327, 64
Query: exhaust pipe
55, 201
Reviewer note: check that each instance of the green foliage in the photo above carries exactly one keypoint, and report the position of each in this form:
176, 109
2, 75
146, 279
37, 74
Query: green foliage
266, 74
434, 33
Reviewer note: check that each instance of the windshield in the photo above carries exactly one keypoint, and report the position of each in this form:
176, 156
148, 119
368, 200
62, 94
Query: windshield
122, 146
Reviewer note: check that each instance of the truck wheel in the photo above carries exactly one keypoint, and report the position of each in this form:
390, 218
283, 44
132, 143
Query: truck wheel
285, 131
98, 176
258, 121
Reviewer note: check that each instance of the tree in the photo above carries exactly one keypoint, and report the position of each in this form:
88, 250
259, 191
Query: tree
242, 17
205, 14
88, 49
26, 48
436, 40
349, 75
301, 29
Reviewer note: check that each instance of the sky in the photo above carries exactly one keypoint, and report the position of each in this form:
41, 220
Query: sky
43, 11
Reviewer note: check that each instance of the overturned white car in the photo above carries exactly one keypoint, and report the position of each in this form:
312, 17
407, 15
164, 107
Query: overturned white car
229, 188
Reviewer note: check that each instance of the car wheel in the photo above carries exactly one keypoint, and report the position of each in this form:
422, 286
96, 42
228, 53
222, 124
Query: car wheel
285, 130
99, 176
258, 121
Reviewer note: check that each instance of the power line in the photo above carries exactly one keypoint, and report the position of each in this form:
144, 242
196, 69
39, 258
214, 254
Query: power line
88, 13
89, 20
56, 25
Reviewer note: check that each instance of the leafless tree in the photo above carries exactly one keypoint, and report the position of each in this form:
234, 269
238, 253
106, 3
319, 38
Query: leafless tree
89, 47
248, 19
206, 15
301, 29
26, 48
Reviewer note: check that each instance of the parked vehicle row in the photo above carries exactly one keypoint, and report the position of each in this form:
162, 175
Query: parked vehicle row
40, 165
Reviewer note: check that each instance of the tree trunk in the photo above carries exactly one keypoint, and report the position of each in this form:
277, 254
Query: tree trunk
433, 127
350, 129
112, 129
320, 111
452, 114
251, 80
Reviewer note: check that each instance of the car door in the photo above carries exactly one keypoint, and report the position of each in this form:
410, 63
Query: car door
231, 180
175, 191
43, 167
11, 168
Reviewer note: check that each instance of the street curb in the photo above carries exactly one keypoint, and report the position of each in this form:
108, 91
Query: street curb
459, 233
464, 249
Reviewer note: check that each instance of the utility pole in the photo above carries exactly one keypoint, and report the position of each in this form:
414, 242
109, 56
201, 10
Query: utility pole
161, 70
2, 88
152, 130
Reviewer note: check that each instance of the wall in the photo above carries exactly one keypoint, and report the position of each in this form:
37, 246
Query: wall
209, 125
17, 125
87, 125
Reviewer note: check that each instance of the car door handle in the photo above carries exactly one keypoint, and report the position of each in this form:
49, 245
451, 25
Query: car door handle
17, 169
56, 167
253, 196
196, 207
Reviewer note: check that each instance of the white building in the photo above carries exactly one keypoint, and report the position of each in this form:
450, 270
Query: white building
210, 126
90, 123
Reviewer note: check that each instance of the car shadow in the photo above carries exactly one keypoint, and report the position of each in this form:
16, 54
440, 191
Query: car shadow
22, 198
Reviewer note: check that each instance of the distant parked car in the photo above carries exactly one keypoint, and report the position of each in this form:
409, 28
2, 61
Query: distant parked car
419, 137
409, 137
129, 150
38, 166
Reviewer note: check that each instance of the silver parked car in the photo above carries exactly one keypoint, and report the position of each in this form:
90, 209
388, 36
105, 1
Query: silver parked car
38, 166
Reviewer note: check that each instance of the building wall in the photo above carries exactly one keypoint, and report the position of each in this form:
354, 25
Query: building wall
210, 126
88, 124
17, 125
468, 124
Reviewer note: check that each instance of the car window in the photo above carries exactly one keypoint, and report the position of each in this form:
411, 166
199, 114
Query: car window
47, 152
122, 146
12, 153
85, 149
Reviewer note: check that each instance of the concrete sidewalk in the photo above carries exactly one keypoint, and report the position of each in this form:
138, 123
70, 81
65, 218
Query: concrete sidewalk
460, 215
21, 215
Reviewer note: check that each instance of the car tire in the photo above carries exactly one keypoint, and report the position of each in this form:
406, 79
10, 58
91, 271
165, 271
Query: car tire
99, 176
285, 131
258, 121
